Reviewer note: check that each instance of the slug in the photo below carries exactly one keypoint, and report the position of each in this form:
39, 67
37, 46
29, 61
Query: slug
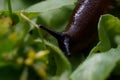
81, 30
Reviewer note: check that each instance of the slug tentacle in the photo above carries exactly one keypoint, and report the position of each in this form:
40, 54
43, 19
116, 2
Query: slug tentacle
57, 35
62, 40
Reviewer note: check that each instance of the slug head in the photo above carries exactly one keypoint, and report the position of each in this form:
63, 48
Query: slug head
62, 39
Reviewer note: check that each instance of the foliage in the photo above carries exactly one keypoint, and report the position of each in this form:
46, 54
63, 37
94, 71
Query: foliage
29, 53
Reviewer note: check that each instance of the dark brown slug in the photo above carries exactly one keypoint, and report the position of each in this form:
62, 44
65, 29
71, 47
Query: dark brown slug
82, 27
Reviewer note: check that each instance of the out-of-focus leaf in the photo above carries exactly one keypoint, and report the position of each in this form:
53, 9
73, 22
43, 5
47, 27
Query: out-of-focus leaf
6, 73
18, 5
24, 74
58, 13
56, 19
61, 61
98, 66
6, 45
5, 24
48, 5
2, 4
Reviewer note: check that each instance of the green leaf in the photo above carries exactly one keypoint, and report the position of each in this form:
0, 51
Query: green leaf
109, 33
103, 36
98, 66
56, 19
48, 5
18, 4
64, 76
6, 73
2, 4
109, 27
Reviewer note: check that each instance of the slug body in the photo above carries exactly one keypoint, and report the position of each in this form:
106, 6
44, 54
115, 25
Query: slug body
82, 27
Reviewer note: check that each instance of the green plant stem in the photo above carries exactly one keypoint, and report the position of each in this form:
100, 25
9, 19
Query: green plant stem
35, 25
10, 7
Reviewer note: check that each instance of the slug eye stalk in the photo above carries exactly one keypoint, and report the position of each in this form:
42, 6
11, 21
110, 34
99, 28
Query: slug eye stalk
63, 40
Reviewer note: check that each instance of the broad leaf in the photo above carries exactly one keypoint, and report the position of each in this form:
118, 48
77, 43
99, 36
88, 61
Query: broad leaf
48, 5
98, 66
109, 33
